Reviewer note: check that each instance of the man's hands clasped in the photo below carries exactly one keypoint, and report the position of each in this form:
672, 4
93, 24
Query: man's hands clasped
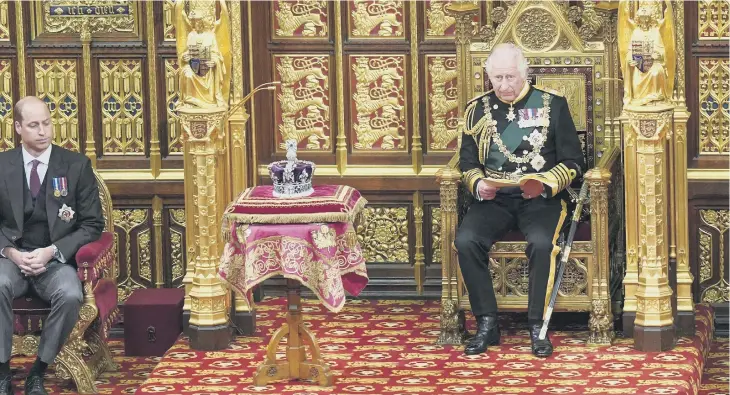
31, 263
486, 191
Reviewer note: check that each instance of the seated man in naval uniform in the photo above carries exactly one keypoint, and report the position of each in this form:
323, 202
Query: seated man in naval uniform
511, 131
49, 208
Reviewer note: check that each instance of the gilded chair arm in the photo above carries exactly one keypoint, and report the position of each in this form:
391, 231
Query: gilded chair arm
94, 258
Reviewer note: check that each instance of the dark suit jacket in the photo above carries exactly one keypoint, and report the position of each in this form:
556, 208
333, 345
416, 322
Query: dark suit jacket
83, 198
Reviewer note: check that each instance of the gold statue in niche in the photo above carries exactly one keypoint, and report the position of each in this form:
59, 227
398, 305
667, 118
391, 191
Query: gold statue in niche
647, 51
204, 52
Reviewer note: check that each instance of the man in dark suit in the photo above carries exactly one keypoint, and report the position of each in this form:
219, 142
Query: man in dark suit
512, 131
49, 208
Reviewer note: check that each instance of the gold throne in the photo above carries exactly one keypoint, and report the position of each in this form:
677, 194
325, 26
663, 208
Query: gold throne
563, 59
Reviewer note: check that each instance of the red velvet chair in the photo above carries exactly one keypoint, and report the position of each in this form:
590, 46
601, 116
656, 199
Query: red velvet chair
85, 354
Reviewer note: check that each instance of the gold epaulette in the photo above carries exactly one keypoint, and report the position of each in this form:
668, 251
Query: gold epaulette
549, 90
479, 97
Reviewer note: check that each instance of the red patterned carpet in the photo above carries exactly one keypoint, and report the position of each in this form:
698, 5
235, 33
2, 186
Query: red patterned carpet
133, 371
716, 375
387, 347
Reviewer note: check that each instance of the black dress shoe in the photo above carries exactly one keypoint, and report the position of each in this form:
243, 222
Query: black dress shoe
487, 335
6, 385
540, 348
34, 385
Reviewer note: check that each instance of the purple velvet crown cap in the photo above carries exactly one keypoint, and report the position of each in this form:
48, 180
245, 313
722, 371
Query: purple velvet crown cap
292, 178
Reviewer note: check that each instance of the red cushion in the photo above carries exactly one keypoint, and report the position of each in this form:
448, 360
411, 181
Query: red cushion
93, 258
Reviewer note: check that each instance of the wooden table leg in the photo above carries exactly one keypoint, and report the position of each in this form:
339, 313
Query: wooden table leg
296, 364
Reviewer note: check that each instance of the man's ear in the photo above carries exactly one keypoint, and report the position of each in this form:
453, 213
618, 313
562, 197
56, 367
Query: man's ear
17, 127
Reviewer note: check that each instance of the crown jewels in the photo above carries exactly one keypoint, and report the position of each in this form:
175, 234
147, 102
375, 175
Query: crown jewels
292, 177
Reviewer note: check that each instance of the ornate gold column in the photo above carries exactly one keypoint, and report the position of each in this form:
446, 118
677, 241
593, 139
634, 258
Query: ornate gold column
208, 327
88, 97
631, 277
654, 325
452, 317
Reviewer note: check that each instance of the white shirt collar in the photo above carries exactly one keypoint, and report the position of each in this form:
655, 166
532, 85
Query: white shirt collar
44, 158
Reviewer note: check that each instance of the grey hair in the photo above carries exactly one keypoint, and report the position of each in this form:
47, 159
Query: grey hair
522, 65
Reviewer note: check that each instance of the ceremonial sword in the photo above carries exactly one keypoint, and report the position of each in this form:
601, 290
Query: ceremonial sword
564, 255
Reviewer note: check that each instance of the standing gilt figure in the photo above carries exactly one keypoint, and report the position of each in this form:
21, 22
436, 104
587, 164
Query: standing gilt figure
204, 53
647, 51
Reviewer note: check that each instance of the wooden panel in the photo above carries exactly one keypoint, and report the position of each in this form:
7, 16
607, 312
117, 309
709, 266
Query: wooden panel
7, 130
299, 19
56, 83
133, 229
122, 106
708, 232
370, 19
174, 245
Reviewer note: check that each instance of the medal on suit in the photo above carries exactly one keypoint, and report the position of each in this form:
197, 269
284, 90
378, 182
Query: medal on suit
56, 187
64, 186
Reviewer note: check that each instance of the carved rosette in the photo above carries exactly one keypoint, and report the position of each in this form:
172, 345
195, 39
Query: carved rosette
536, 30
378, 105
376, 19
652, 126
443, 105
302, 107
300, 19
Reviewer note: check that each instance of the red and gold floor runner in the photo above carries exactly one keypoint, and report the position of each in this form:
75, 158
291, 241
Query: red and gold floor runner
388, 347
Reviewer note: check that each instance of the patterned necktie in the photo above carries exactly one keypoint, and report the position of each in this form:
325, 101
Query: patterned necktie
35, 181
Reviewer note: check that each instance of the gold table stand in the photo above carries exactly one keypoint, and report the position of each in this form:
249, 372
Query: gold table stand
295, 365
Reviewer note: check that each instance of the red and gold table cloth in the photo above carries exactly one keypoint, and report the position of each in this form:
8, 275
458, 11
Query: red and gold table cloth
309, 239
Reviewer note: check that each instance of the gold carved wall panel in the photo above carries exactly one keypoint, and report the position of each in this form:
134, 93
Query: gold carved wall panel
714, 113
383, 234
435, 235
7, 129
714, 19
177, 244
442, 108
56, 83
301, 19
4, 21
174, 130
303, 104
379, 102
438, 23
376, 19
108, 18
134, 256
714, 231
122, 106
168, 20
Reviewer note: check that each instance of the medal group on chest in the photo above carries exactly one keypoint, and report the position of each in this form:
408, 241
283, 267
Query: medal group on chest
539, 118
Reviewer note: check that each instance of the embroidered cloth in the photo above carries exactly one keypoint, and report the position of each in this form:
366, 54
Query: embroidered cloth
324, 256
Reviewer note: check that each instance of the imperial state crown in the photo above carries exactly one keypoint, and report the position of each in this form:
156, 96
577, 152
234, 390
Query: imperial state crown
292, 177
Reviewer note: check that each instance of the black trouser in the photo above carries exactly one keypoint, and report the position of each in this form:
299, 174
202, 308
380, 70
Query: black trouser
487, 222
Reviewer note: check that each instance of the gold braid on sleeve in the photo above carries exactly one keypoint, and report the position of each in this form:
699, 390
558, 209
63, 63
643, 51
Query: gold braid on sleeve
482, 131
